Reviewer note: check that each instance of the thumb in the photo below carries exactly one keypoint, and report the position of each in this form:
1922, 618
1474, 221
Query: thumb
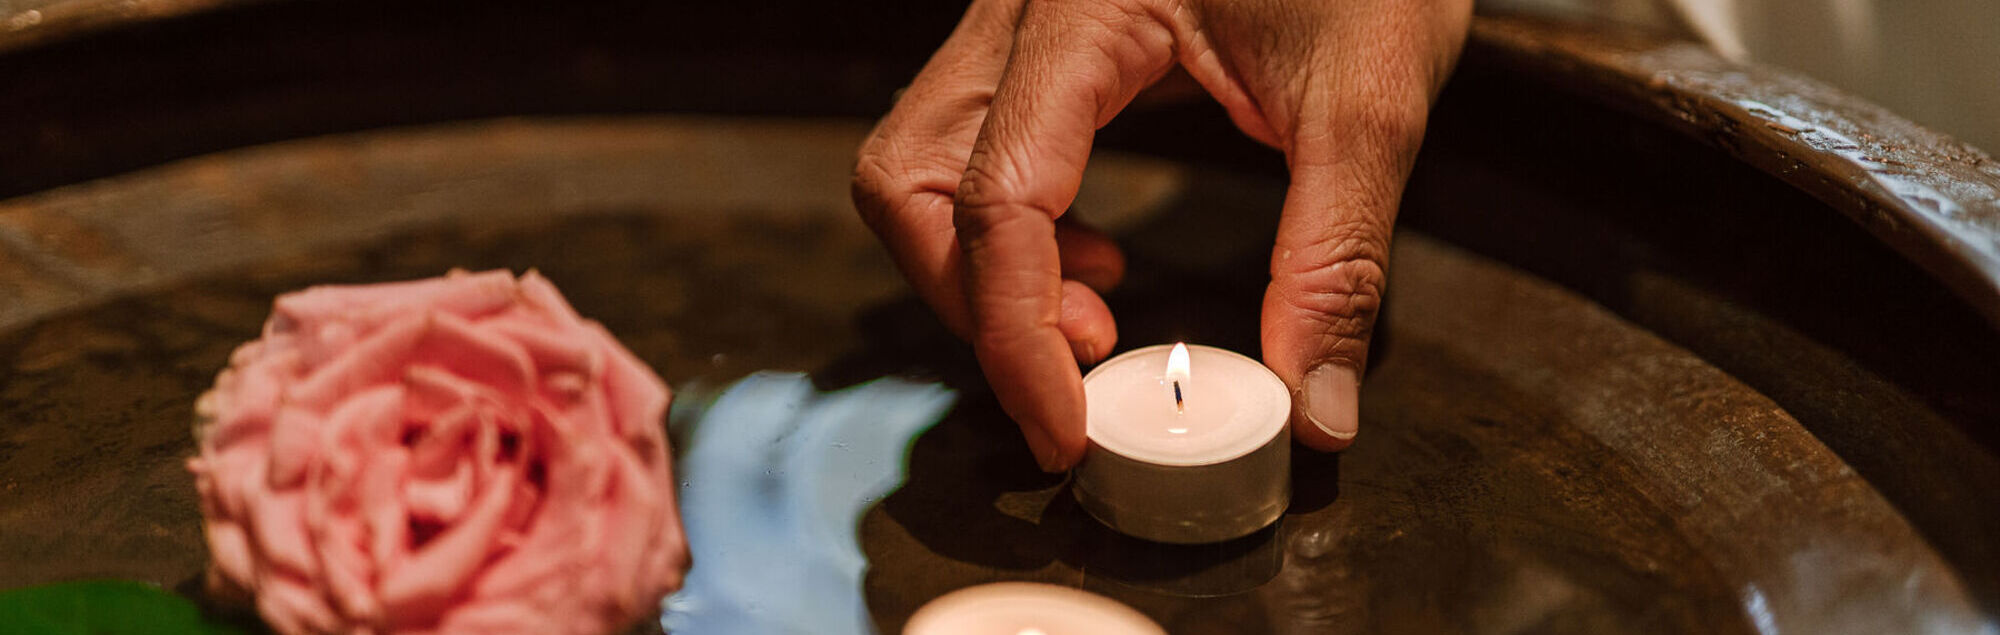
1327, 280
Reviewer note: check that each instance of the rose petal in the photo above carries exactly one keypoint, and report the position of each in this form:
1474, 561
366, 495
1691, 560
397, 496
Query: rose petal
507, 617
327, 339
552, 347
421, 585
565, 387
545, 551
484, 357
669, 553
435, 391
246, 354
291, 606
347, 568
526, 499
539, 560
340, 476
557, 528
246, 407
573, 460
229, 550
440, 445
440, 499
388, 523
370, 419
471, 295
295, 439
278, 526
237, 475
538, 293
638, 397
628, 491
486, 448
245, 399
375, 360
589, 414
367, 306
363, 456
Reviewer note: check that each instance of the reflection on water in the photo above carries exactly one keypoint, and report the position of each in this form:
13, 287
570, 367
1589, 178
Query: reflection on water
776, 476
1185, 571
774, 479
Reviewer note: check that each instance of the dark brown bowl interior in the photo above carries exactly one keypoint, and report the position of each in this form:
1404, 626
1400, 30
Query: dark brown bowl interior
1625, 381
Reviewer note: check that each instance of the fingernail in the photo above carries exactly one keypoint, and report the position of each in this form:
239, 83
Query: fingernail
1053, 462
1083, 351
1043, 449
1050, 460
1331, 397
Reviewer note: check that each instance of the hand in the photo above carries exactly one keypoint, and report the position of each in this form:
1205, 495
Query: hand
967, 178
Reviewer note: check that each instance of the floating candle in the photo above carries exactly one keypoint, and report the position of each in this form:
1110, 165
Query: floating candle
1187, 444
1027, 608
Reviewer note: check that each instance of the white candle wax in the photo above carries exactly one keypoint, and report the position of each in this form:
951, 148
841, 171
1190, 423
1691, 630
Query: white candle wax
1230, 405
1027, 608
1186, 445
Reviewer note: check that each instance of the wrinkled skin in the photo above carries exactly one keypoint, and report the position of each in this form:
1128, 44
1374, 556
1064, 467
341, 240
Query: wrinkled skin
455, 455
967, 179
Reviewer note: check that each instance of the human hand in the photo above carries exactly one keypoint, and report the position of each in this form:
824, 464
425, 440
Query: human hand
967, 179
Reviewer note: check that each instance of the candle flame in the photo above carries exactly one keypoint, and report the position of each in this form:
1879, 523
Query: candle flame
1177, 364
1178, 375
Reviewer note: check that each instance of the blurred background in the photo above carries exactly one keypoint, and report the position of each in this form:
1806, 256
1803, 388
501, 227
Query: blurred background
1935, 61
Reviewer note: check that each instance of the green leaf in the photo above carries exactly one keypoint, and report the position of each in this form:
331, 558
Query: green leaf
103, 607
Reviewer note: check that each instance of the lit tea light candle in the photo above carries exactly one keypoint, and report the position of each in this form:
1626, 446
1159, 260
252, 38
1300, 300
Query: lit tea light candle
1027, 608
1187, 445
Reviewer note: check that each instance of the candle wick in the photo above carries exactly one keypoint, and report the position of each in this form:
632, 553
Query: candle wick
1180, 405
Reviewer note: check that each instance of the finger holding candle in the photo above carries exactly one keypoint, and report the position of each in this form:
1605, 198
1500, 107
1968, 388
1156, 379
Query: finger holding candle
1089, 256
1072, 68
1086, 322
1017, 299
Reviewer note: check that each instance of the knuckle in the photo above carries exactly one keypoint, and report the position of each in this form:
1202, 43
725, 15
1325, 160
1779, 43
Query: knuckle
984, 191
1342, 238
975, 186
1339, 286
1373, 133
1396, 123
1347, 295
889, 180
871, 174
1000, 182
975, 222
870, 186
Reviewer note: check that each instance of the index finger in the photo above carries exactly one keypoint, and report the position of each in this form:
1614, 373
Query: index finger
1075, 65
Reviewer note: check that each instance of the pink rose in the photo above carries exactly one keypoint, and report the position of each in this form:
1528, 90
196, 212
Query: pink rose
458, 454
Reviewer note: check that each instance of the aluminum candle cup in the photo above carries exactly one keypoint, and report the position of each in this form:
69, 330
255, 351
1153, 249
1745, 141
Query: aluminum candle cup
1188, 445
1027, 608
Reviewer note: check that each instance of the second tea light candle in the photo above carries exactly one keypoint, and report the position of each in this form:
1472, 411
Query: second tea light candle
1188, 445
